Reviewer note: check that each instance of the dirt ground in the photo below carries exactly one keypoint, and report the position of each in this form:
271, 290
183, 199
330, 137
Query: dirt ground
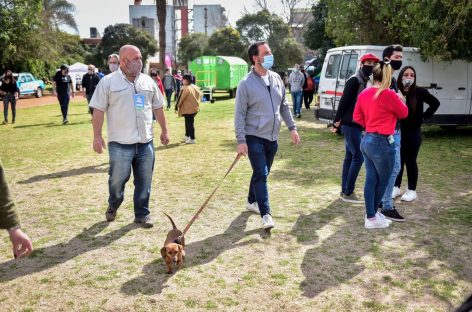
47, 99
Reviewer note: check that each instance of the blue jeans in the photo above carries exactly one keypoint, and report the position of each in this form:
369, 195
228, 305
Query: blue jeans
353, 159
123, 157
64, 103
387, 201
9, 98
169, 97
261, 154
297, 97
379, 157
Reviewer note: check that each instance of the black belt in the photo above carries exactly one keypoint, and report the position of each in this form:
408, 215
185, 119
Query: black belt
379, 134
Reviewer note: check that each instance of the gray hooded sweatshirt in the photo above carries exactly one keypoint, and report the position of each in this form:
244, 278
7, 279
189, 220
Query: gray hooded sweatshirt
296, 81
259, 108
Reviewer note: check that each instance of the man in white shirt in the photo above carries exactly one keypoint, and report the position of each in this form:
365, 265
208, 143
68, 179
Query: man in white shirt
129, 98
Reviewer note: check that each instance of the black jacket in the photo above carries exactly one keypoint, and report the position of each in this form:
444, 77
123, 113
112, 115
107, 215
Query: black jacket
353, 87
90, 82
418, 115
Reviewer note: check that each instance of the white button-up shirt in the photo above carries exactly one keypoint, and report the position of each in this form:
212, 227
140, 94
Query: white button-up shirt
114, 95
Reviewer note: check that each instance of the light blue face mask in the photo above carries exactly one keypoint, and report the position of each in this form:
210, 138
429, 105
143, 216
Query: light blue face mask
268, 61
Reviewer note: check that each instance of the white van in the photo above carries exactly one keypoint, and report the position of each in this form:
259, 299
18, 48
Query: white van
449, 82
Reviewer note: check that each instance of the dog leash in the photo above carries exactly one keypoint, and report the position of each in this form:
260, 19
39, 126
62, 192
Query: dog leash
209, 197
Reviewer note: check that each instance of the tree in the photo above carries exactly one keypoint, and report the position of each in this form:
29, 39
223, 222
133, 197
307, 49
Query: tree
59, 12
161, 12
440, 28
315, 36
443, 29
271, 28
226, 42
118, 35
192, 46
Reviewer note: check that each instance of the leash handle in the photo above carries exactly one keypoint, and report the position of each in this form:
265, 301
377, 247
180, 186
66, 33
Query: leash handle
211, 195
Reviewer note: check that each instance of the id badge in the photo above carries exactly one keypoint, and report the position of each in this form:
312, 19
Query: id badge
138, 101
391, 139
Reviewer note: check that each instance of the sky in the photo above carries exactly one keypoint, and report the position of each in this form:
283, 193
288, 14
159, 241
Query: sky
101, 13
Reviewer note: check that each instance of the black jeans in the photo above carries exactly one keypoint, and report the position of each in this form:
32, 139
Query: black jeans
9, 98
64, 103
189, 125
89, 97
307, 98
410, 146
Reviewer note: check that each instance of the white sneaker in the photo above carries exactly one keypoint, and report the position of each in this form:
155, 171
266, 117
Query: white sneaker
190, 141
396, 192
252, 207
383, 218
267, 222
185, 138
409, 195
376, 224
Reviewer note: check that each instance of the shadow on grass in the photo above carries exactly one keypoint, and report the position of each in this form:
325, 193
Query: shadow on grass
67, 173
71, 123
438, 133
340, 242
168, 146
334, 260
154, 276
49, 124
45, 258
53, 124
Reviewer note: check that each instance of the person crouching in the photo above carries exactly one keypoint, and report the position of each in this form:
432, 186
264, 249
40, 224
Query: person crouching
187, 105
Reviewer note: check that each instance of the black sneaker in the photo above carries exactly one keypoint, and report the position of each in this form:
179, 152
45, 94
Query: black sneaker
110, 214
393, 215
144, 221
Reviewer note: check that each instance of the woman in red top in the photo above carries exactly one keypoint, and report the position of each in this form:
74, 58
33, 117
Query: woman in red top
154, 73
377, 111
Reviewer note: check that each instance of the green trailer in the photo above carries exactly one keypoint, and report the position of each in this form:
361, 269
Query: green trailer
218, 73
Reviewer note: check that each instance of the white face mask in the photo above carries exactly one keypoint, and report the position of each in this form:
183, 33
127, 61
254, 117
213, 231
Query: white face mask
408, 82
113, 67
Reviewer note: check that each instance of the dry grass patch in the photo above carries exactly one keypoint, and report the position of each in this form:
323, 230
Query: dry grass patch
318, 258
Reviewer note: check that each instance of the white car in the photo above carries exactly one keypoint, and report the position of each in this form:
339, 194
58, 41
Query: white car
28, 84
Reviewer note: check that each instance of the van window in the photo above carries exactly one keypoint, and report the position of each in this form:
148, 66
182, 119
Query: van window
348, 67
29, 78
333, 66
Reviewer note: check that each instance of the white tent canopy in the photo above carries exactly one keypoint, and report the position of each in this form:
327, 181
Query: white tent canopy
78, 68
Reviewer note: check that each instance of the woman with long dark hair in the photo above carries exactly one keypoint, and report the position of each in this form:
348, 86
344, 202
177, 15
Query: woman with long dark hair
411, 128
10, 92
377, 111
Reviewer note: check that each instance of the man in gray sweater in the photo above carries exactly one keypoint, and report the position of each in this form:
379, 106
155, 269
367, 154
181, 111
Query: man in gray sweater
297, 81
260, 105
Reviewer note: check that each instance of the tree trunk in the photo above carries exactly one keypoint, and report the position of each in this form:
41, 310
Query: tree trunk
161, 18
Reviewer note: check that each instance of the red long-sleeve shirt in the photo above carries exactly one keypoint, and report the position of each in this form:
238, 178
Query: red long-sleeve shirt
379, 115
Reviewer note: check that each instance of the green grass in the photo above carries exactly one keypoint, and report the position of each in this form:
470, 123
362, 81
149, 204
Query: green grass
318, 258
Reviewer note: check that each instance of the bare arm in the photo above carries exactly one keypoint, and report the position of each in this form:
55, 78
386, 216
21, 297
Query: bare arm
97, 122
161, 119
72, 92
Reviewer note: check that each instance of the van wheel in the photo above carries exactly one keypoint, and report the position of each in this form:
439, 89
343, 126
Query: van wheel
212, 100
232, 93
448, 128
39, 92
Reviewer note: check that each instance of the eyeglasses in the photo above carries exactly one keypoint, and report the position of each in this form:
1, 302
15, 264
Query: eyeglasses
90, 69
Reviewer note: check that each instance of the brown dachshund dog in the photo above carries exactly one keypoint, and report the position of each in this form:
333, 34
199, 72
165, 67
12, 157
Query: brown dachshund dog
173, 251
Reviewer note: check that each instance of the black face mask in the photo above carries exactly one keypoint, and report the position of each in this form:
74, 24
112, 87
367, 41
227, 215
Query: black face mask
367, 70
396, 65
